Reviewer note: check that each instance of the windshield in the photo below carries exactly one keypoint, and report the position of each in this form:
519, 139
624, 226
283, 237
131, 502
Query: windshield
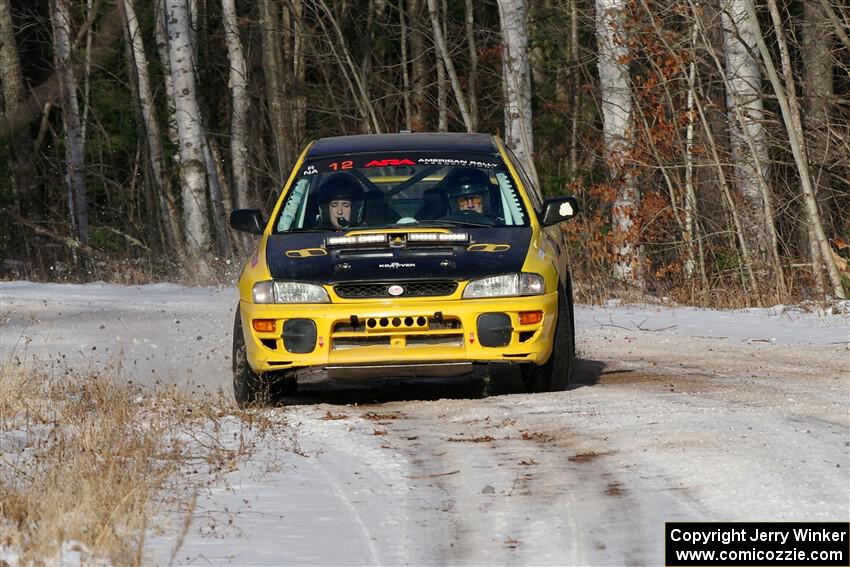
381, 191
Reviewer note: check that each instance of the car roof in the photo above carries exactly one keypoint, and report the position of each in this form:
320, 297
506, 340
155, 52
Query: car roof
420, 142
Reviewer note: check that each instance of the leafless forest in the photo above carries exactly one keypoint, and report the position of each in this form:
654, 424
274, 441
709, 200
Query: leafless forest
708, 141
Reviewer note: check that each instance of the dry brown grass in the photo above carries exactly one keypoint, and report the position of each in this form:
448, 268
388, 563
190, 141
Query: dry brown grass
87, 459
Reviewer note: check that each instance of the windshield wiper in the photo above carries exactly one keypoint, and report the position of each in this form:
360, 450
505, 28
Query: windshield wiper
439, 223
302, 230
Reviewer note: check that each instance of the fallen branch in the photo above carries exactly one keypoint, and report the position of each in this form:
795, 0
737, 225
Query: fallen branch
433, 475
637, 326
68, 241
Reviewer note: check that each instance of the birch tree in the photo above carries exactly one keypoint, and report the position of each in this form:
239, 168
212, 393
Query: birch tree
746, 131
192, 137
153, 144
617, 106
74, 151
165, 61
238, 82
516, 83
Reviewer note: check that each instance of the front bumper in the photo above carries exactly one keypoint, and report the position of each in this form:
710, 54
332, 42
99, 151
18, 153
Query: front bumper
400, 332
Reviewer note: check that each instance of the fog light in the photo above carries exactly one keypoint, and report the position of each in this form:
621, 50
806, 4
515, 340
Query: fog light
530, 317
264, 325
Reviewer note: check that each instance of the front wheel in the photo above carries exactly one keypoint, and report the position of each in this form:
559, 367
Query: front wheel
250, 388
557, 372
247, 384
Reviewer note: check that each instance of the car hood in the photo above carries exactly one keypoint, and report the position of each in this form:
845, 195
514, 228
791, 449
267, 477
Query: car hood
490, 251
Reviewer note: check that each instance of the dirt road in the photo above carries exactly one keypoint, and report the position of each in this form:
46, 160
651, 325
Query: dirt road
675, 415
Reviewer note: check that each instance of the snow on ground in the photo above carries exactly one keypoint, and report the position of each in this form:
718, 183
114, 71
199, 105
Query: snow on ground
161, 332
677, 414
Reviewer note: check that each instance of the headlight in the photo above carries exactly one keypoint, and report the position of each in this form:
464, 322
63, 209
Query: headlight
505, 286
289, 292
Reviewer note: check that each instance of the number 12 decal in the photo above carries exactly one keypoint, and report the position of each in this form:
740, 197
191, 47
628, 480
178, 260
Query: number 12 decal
337, 165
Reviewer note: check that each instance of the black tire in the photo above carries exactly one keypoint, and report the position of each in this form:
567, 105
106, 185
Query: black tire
250, 388
556, 374
247, 384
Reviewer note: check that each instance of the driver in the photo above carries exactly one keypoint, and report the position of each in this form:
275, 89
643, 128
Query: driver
468, 190
340, 202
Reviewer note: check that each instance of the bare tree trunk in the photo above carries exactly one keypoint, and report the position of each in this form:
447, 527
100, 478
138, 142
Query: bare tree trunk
405, 73
443, 49
787, 97
275, 84
442, 98
192, 6
617, 107
192, 138
418, 65
13, 94
368, 43
744, 99
10, 66
240, 104
165, 61
690, 191
818, 90
87, 74
516, 82
219, 195
691, 226
576, 79
139, 64
472, 82
299, 73
74, 144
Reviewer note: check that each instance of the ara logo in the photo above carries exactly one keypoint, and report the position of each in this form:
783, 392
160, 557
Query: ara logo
386, 162
397, 265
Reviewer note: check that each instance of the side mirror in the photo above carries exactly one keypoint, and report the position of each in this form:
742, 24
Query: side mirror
247, 220
558, 210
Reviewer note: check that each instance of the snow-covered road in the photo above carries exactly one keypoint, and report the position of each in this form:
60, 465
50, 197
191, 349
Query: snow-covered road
678, 414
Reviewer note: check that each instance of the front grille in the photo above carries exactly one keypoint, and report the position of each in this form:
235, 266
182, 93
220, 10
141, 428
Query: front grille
411, 289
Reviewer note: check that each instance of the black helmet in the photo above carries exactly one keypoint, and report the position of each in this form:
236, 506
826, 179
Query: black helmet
466, 181
340, 186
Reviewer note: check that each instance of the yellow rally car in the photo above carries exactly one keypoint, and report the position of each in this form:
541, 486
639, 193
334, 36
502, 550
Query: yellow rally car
404, 255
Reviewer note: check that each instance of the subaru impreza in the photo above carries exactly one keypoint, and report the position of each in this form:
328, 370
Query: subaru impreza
404, 255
